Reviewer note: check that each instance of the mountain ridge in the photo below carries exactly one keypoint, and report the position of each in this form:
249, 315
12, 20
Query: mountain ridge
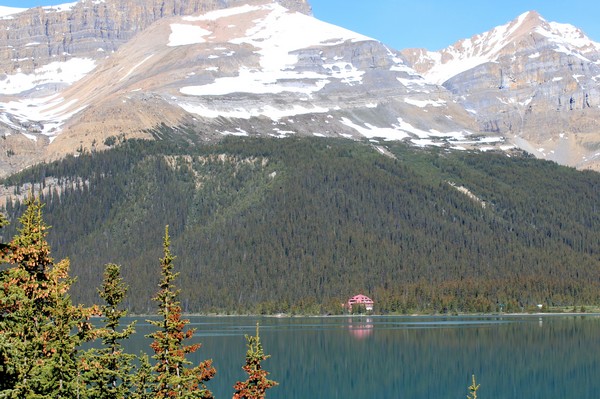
259, 68
246, 70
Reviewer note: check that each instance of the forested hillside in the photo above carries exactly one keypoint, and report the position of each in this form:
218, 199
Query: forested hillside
298, 225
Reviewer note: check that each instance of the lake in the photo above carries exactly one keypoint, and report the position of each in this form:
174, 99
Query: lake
381, 357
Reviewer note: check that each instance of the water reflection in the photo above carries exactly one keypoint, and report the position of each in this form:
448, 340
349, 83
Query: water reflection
360, 328
409, 357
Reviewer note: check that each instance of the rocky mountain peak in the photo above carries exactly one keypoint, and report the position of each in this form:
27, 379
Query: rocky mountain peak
529, 30
526, 22
532, 81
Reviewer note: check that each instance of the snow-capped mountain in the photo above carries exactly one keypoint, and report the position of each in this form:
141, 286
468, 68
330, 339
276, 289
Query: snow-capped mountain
75, 74
253, 69
531, 81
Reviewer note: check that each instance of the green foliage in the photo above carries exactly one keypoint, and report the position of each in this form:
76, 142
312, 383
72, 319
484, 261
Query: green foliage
307, 223
40, 328
108, 371
29, 249
173, 378
110, 141
142, 386
255, 387
41, 332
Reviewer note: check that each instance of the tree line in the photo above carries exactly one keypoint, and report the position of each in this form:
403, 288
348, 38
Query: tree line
42, 332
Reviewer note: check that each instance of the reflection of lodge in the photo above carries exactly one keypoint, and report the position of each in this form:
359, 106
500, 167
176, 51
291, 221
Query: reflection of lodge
360, 328
360, 300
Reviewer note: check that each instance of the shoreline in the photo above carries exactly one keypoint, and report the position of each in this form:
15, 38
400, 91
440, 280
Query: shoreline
290, 316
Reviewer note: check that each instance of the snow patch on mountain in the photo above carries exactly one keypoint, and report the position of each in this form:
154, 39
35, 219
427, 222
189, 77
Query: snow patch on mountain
568, 40
401, 130
61, 7
51, 112
265, 111
8, 12
345, 72
569, 35
66, 72
225, 13
275, 38
136, 66
185, 35
425, 103
371, 131
260, 82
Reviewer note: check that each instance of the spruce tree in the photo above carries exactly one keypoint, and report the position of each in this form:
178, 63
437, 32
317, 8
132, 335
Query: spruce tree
40, 328
142, 379
108, 370
68, 327
255, 387
173, 378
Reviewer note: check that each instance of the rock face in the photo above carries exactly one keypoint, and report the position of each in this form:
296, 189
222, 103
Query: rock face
252, 69
531, 81
91, 28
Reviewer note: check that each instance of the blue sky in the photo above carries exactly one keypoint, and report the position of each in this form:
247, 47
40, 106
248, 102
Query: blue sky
432, 24
435, 24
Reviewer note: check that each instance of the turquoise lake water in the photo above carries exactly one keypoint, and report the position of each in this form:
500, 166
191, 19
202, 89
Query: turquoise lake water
545, 357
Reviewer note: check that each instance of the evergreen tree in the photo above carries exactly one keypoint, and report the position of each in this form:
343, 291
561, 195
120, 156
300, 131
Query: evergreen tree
15, 362
473, 389
40, 328
173, 378
66, 329
142, 380
108, 371
29, 249
255, 387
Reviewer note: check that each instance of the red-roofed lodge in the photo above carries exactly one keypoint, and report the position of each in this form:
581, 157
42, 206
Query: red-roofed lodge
360, 300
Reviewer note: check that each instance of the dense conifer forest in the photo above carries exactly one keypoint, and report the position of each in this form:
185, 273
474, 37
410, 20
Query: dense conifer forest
300, 224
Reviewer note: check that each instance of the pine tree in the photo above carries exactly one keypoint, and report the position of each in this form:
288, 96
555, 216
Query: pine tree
108, 370
173, 376
40, 328
255, 387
